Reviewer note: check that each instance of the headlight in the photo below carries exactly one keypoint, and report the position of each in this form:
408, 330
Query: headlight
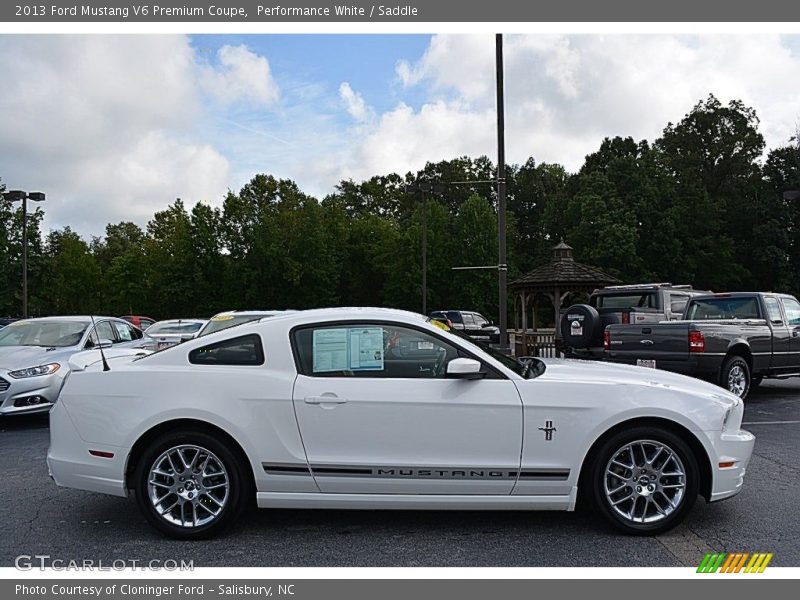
35, 371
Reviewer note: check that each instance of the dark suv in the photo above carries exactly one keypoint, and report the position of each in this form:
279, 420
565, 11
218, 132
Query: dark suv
474, 324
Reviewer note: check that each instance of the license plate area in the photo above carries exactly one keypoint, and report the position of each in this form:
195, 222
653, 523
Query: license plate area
650, 364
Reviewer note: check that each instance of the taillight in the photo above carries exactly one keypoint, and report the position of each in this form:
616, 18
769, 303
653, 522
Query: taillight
697, 342
626, 318
606, 340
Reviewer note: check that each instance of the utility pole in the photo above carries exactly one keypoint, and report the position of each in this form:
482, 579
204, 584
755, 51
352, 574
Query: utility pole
502, 266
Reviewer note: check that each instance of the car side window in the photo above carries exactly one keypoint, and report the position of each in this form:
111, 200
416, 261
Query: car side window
245, 350
102, 331
792, 309
469, 320
124, 332
454, 316
677, 303
773, 310
369, 350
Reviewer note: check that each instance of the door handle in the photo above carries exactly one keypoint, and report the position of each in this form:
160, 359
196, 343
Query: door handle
324, 400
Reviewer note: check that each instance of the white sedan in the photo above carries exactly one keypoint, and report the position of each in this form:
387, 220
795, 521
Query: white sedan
376, 408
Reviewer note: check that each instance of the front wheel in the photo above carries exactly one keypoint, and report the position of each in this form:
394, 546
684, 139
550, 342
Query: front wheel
735, 376
644, 480
190, 485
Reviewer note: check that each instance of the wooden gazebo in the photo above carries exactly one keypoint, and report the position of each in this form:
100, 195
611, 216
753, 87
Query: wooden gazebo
556, 280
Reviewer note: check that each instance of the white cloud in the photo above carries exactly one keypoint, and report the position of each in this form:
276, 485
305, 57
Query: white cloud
564, 94
117, 127
354, 103
107, 125
242, 76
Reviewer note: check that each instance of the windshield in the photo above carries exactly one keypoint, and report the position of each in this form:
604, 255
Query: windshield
626, 300
225, 321
723, 308
178, 328
524, 369
50, 334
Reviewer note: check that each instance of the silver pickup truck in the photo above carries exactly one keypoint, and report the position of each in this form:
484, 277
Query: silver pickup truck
582, 325
735, 340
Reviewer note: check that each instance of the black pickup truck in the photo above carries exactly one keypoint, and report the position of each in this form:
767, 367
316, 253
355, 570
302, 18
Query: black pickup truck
735, 340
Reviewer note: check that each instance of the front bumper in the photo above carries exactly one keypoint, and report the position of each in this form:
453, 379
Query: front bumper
735, 447
71, 465
15, 399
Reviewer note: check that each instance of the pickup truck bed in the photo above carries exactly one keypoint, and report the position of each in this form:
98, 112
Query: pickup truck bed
761, 340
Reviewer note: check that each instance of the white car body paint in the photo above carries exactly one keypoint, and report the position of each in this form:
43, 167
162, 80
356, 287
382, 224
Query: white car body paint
385, 443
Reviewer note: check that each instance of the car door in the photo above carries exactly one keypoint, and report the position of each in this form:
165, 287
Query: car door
781, 336
791, 309
377, 413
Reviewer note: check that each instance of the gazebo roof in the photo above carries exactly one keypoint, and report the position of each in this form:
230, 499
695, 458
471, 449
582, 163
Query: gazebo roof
563, 271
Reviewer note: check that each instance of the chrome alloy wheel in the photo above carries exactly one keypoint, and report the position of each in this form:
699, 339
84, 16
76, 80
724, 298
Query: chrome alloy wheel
737, 380
188, 486
645, 481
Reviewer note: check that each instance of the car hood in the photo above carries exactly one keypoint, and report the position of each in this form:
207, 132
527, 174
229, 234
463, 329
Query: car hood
604, 372
22, 357
92, 360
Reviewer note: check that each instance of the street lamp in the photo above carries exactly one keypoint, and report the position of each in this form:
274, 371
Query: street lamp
15, 196
423, 188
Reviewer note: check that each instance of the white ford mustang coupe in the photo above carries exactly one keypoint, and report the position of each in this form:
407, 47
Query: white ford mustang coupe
376, 408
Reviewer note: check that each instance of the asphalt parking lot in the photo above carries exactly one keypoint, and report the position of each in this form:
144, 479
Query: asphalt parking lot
38, 518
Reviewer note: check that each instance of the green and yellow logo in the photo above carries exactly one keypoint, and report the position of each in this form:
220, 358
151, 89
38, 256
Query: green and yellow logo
735, 562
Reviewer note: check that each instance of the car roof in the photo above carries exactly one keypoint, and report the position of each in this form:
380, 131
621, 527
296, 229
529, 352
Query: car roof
193, 320
86, 318
348, 313
251, 313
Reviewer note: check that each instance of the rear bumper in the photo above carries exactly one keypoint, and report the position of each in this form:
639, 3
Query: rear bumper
704, 366
730, 447
71, 465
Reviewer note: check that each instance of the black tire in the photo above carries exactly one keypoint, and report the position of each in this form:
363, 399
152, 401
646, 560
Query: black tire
654, 523
735, 376
235, 500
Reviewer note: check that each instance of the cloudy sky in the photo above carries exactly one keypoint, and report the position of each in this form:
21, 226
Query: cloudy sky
114, 128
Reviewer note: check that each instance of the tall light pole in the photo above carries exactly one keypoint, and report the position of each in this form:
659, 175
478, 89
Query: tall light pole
14, 196
502, 266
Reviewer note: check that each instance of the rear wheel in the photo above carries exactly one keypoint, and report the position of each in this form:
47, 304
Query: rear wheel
735, 376
189, 485
644, 480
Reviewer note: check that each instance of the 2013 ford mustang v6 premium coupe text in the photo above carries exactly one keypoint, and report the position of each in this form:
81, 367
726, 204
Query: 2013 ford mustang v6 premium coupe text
376, 408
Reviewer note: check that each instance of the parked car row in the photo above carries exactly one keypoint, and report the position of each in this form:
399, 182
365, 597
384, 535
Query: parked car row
732, 339
35, 354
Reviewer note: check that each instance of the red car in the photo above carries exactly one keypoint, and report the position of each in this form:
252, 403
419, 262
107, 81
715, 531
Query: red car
139, 321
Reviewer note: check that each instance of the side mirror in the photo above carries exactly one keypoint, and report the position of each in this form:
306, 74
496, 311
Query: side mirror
104, 344
187, 337
464, 368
